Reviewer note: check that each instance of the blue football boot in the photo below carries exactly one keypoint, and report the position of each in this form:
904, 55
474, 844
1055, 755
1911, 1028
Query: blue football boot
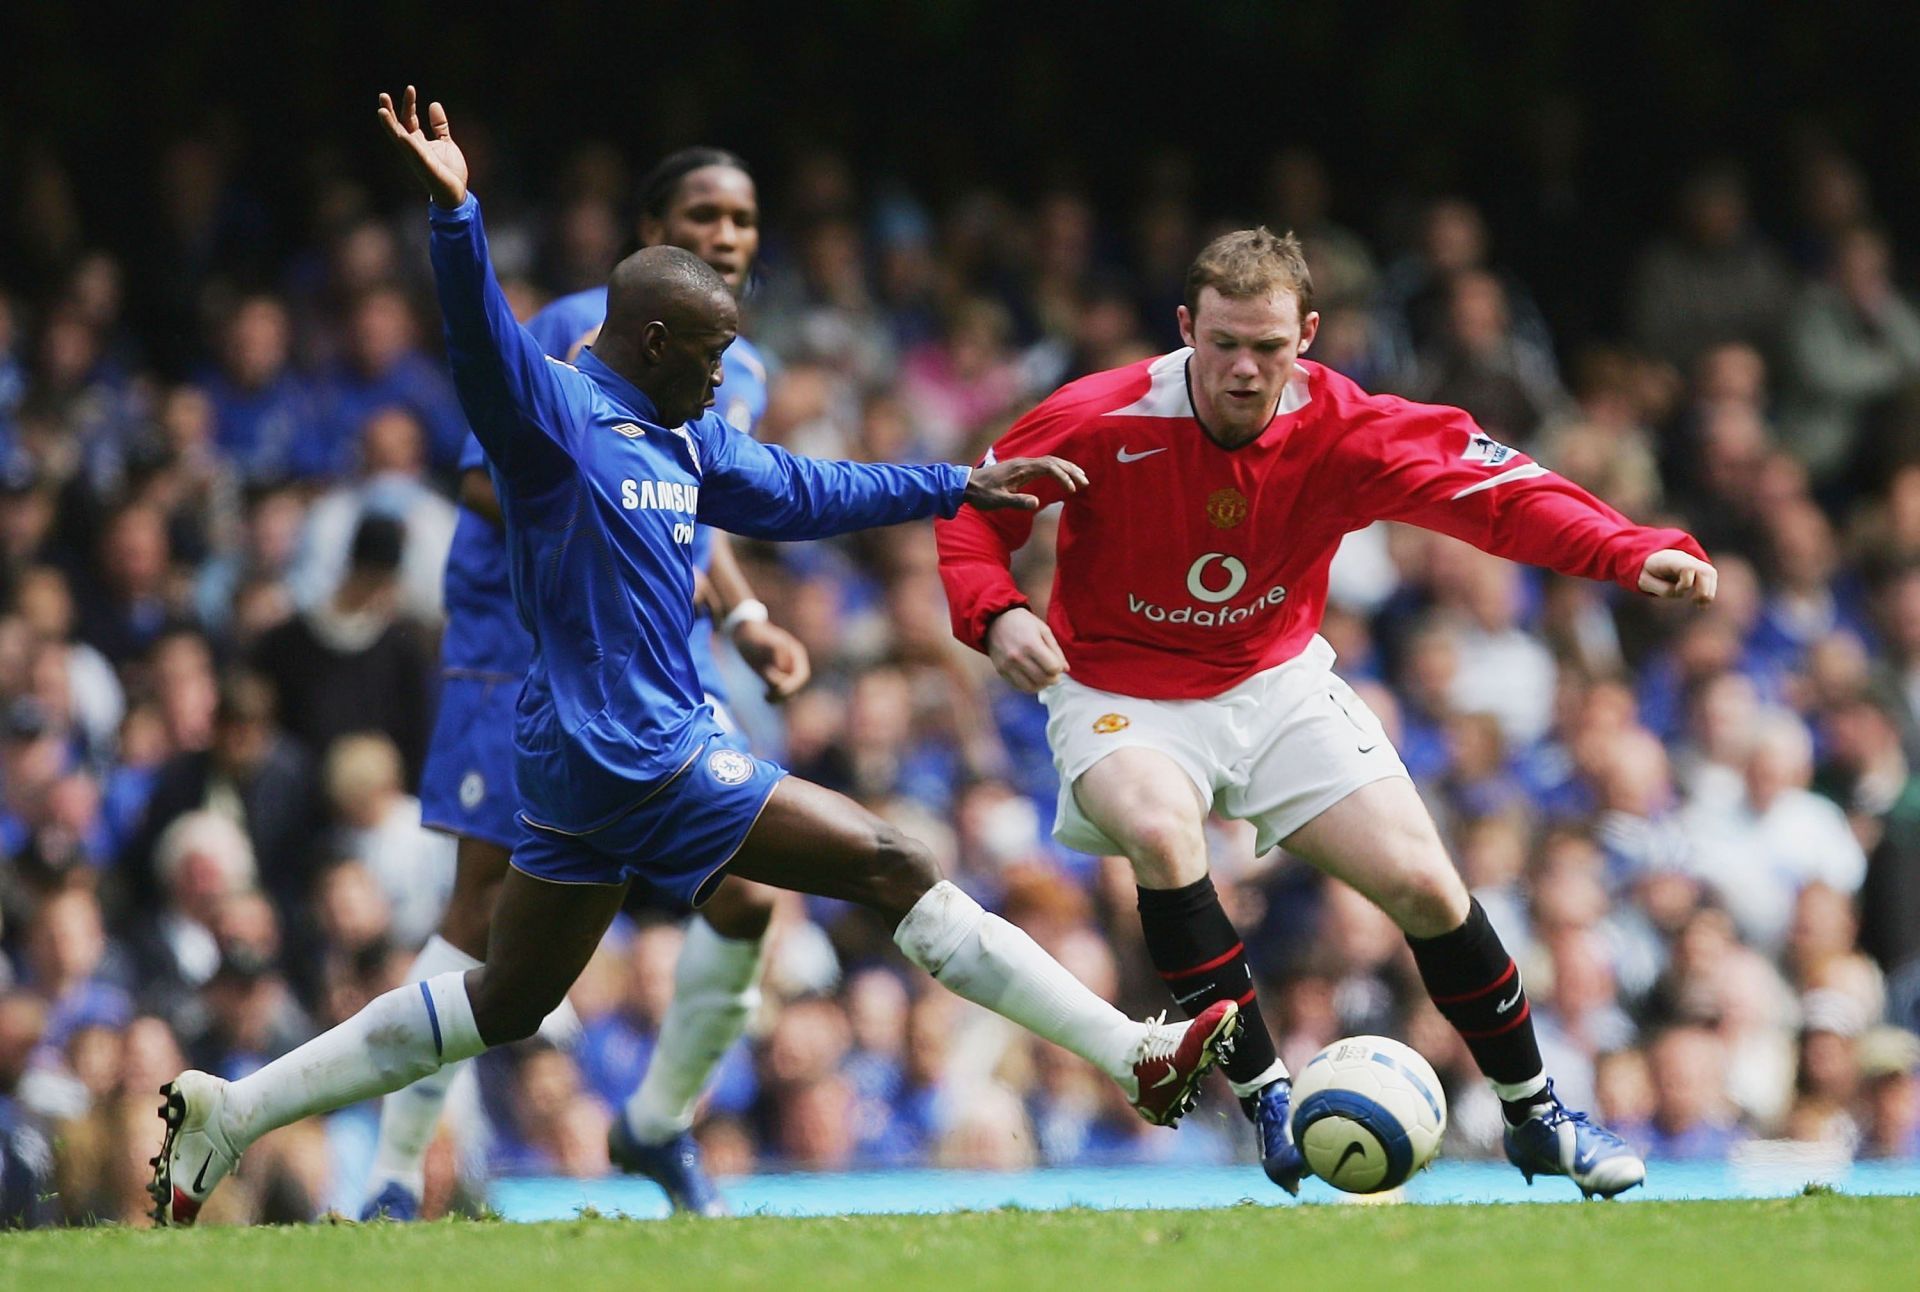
1272, 1114
1557, 1141
673, 1165
395, 1202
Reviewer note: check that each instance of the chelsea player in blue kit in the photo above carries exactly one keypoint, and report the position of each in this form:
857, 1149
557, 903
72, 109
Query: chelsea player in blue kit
702, 200
623, 773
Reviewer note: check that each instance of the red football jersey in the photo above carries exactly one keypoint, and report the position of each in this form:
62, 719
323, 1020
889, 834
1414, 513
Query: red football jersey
1185, 568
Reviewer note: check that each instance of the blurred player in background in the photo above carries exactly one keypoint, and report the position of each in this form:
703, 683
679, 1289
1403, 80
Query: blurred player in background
704, 200
1183, 671
622, 771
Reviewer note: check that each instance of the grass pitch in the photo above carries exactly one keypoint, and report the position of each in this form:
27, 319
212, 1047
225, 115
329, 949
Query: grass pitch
1800, 1243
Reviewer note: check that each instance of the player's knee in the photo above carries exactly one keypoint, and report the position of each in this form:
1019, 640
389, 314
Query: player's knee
504, 1011
1167, 850
1428, 898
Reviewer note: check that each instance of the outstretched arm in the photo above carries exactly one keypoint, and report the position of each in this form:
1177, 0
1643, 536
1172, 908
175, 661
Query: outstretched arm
515, 399
1431, 466
763, 491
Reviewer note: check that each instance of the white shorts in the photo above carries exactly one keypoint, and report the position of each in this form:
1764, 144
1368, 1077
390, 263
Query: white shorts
1277, 750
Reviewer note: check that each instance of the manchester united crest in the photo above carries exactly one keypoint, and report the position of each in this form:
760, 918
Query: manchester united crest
1108, 723
1226, 508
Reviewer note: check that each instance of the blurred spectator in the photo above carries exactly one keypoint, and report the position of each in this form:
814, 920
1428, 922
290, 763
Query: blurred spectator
380, 826
88, 688
1691, 1118
130, 606
1512, 674
201, 860
250, 1014
1300, 200
27, 1194
1417, 302
1603, 442
1712, 280
352, 663
67, 959
1812, 597
1869, 774
1478, 362
1760, 850
1889, 1059
252, 776
382, 367
391, 482
264, 414
1853, 346
616, 1040
246, 591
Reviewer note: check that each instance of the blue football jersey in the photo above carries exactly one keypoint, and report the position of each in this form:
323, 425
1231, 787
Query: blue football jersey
740, 401
601, 503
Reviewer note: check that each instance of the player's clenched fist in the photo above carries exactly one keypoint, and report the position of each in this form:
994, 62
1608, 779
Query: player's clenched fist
1676, 575
1023, 648
997, 484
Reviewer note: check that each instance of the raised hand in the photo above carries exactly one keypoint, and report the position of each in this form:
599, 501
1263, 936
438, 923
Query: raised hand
1674, 574
433, 155
991, 488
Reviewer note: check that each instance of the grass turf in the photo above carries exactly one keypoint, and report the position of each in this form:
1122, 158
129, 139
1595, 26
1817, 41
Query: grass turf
1809, 1242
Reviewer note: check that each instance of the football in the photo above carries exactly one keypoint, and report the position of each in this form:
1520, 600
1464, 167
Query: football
1367, 1113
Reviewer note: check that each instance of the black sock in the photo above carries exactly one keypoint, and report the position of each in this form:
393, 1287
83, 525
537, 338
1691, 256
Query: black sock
1476, 986
1201, 959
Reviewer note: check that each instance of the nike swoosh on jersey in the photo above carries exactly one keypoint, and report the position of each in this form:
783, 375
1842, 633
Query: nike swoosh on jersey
1125, 456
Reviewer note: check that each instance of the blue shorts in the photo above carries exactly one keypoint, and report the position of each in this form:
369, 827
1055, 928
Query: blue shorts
467, 786
675, 842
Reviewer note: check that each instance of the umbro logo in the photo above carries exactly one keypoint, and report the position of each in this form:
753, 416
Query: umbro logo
1125, 456
629, 430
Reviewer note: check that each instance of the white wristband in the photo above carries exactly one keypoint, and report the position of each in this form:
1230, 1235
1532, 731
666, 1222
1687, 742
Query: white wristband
751, 611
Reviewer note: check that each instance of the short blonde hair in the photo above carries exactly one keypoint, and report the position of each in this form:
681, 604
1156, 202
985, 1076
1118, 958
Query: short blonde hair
360, 766
1248, 263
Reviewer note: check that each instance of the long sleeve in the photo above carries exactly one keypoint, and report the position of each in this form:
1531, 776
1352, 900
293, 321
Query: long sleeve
1431, 466
976, 548
763, 491
516, 399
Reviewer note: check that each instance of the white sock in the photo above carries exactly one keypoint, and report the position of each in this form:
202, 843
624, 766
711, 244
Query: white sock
1520, 1092
716, 988
409, 1117
400, 1037
1277, 1072
988, 961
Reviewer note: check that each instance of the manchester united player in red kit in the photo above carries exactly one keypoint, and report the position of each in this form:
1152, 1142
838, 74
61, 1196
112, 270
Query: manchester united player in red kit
1183, 671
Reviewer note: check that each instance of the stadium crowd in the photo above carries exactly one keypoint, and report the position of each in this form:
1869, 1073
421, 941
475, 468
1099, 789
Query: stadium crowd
226, 476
